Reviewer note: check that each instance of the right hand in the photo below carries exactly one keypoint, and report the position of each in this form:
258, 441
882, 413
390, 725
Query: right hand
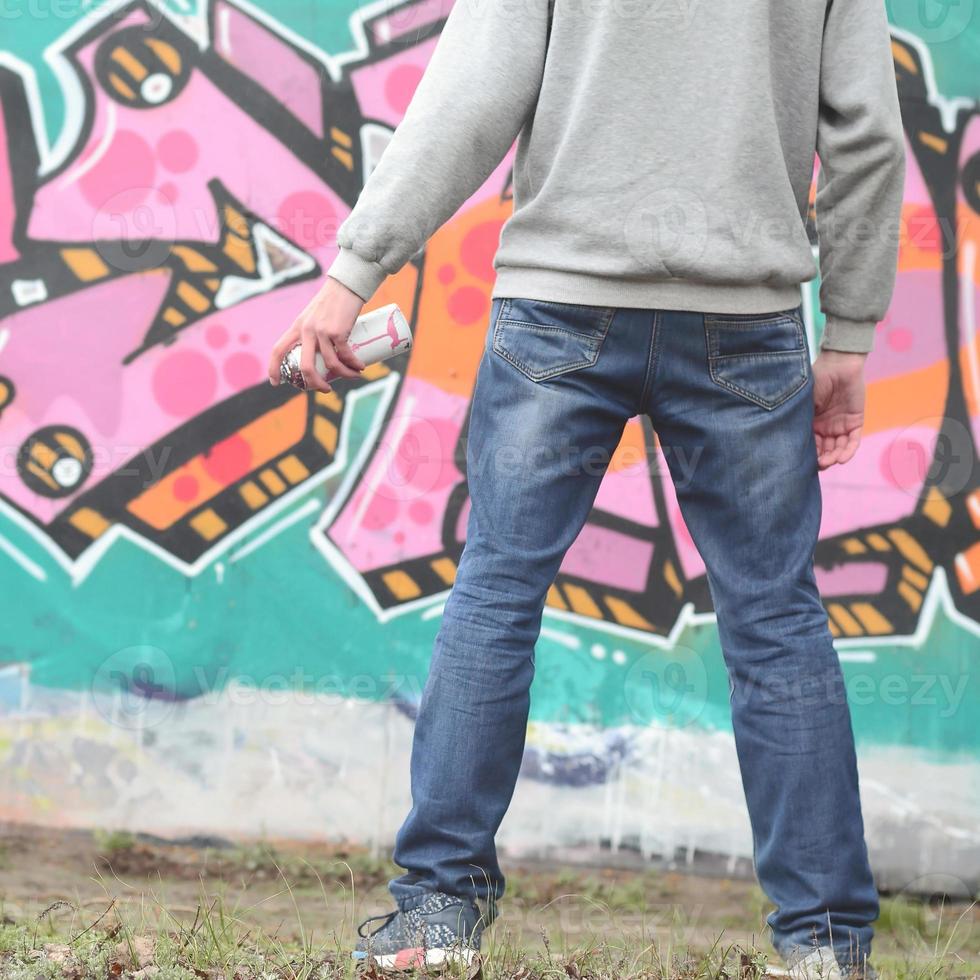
324, 325
838, 395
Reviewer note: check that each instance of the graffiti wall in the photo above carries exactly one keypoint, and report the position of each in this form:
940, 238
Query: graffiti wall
219, 597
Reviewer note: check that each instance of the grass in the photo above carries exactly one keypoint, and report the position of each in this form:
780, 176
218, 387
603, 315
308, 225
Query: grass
111, 842
216, 946
213, 947
267, 912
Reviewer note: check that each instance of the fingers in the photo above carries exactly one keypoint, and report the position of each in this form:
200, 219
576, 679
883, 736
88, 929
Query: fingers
330, 349
338, 356
285, 343
836, 449
347, 356
312, 378
324, 326
315, 341
825, 453
851, 447
833, 447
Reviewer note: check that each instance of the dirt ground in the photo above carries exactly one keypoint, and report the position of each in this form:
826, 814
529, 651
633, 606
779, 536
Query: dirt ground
61, 882
292, 888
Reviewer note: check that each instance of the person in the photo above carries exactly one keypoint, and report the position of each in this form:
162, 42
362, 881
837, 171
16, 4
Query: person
652, 265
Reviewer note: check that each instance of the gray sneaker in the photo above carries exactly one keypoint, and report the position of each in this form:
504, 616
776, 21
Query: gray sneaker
442, 929
821, 964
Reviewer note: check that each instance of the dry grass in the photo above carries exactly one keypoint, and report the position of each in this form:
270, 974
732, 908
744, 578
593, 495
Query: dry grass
98, 907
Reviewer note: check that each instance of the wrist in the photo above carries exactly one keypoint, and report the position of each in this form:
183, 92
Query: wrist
843, 362
360, 275
842, 334
340, 291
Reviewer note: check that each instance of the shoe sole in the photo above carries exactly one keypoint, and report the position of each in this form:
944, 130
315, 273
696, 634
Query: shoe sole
406, 959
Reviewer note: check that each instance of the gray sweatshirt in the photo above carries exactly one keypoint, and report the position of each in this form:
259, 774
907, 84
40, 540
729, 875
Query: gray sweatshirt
665, 150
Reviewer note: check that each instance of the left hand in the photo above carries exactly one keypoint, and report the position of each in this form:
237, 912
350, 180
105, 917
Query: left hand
323, 326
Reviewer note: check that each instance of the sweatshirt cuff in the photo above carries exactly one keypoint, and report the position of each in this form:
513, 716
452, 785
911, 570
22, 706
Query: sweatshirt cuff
840, 333
359, 275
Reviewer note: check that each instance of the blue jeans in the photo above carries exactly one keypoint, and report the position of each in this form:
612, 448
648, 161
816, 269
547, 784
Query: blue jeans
555, 387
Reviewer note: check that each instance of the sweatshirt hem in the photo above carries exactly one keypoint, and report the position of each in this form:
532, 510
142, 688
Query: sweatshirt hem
552, 285
843, 334
360, 275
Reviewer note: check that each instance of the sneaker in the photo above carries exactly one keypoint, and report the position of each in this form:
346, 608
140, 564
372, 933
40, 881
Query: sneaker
442, 929
821, 964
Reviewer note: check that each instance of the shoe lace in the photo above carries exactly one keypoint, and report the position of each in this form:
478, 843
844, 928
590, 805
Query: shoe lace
374, 918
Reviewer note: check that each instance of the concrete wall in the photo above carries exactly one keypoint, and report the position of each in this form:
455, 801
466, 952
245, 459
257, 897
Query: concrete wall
219, 598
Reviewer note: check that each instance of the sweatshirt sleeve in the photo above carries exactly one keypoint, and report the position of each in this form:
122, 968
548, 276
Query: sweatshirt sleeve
861, 180
479, 86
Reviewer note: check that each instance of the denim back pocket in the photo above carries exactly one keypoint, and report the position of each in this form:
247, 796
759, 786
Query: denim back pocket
763, 357
545, 339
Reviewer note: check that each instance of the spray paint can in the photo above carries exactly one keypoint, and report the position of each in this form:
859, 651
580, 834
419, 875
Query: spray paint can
376, 336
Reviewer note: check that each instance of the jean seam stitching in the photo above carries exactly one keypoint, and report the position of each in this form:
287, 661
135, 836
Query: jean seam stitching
762, 355
731, 321
648, 371
604, 310
527, 370
555, 328
731, 386
712, 333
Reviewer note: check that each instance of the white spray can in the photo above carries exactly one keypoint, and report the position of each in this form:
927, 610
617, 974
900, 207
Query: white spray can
376, 336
